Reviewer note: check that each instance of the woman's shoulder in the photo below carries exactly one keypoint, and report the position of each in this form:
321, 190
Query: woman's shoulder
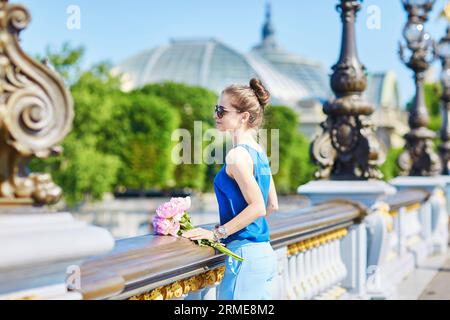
238, 156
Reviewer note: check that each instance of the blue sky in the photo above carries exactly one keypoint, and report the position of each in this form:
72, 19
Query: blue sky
114, 30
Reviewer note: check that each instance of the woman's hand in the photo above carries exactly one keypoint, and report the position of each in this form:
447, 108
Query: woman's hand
199, 234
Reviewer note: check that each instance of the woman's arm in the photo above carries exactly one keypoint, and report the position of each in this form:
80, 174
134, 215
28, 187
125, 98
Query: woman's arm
240, 168
272, 199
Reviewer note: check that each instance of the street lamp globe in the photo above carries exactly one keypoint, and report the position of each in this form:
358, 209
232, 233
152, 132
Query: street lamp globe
413, 32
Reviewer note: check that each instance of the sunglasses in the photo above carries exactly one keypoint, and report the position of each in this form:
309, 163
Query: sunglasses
220, 111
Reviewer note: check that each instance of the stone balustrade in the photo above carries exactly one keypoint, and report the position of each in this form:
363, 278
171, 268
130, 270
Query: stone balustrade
333, 250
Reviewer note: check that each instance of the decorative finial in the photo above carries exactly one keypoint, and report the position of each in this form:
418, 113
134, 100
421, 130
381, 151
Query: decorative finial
268, 32
268, 10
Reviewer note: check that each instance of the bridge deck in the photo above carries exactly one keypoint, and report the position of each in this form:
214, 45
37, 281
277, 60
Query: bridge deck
439, 287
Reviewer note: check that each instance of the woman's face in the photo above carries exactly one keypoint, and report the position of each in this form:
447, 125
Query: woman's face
231, 120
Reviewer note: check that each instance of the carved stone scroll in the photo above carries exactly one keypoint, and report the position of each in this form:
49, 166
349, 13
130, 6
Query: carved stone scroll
36, 114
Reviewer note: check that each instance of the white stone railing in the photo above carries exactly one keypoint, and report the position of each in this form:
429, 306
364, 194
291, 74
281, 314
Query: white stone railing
333, 250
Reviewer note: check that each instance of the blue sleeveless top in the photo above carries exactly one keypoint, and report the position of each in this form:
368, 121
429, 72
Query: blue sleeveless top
232, 202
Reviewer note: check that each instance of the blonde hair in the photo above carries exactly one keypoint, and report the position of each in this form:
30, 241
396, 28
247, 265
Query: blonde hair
252, 99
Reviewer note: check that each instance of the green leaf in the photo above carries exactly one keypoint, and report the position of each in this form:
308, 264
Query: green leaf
226, 251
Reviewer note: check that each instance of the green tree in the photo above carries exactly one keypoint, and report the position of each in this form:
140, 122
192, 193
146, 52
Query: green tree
66, 61
141, 137
95, 95
390, 168
301, 167
433, 92
84, 171
193, 104
295, 167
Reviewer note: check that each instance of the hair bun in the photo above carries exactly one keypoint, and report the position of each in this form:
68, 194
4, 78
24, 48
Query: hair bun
261, 92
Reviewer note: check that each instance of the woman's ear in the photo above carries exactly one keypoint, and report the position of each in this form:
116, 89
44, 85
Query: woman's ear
245, 117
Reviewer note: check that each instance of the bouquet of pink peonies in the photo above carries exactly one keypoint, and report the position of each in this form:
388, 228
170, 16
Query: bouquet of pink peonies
173, 219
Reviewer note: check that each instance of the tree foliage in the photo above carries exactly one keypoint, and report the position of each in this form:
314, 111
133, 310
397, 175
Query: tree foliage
194, 104
141, 137
295, 167
433, 92
84, 170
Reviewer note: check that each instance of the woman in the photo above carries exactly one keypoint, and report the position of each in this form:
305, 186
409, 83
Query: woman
246, 195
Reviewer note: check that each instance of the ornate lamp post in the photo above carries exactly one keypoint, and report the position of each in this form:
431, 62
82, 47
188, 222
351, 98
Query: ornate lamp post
418, 159
444, 55
348, 151
347, 148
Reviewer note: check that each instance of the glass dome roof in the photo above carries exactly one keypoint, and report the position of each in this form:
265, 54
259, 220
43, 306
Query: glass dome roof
207, 63
308, 73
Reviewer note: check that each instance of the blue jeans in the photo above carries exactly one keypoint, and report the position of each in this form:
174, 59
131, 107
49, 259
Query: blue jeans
250, 279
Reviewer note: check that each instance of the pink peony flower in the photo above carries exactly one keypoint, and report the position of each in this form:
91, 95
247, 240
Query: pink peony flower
166, 227
183, 205
175, 227
168, 210
168, 222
